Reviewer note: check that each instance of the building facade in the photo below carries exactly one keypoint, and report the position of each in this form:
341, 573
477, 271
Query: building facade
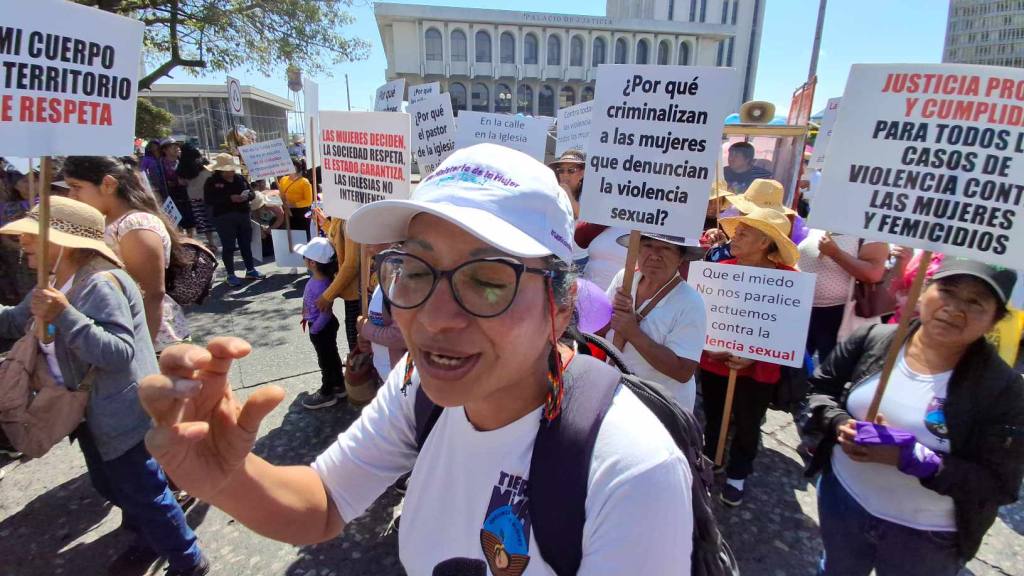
201, 111
535, 63
985, 32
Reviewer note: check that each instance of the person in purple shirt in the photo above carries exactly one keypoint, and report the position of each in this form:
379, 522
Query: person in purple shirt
322, 325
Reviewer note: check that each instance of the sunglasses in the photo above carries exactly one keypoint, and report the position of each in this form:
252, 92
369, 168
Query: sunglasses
485, 287
560, 171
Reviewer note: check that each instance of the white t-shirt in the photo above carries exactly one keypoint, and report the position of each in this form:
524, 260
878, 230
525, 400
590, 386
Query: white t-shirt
381, 355
50, 350
606, 257
833, 284
468, 485
912, 402
677, 322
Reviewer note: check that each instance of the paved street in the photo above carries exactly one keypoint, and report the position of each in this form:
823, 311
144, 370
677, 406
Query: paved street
52, 522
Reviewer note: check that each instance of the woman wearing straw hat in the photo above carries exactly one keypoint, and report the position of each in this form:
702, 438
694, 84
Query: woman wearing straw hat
228, 194
759, 239
762, 193
97, 318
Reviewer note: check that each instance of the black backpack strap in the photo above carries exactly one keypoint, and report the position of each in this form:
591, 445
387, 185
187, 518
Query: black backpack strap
560, 466
427, 414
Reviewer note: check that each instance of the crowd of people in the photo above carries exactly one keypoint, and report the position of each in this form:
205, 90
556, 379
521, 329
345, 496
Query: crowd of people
472, 330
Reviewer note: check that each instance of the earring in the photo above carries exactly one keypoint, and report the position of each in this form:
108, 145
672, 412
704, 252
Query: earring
21, 256
407, 378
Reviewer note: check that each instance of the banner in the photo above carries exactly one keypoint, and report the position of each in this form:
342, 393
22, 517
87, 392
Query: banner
310, 106
267, 159
528, 135
365, 158
757, 313
929, 156
653, 144
573, 127
235, 97
824, 134
69, 82
433, 131
422, 91
170, 209
389, 96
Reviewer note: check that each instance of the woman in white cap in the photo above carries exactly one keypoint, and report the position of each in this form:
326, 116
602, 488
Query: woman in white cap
481, 290
97, 318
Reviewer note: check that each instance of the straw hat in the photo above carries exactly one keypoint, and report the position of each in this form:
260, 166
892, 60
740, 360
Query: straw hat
720, 189
692, 247
570, 156
762, 193
73, 224
224, 162
774, 224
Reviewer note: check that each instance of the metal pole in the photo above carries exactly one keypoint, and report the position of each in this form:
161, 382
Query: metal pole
817, 40
348, 97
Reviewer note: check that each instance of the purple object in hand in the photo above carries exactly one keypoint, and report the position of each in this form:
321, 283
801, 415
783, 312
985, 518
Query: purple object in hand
593, 306
915, 459
869, 434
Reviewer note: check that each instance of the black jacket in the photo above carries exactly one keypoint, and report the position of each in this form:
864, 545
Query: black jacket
217, 194
984, 414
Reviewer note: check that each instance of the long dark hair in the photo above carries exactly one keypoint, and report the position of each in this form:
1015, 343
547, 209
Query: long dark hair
132, 188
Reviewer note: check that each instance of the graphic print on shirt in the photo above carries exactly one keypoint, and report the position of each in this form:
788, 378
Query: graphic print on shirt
505, 535
935, 419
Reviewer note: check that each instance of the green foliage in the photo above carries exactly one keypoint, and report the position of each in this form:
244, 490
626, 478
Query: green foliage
150, 121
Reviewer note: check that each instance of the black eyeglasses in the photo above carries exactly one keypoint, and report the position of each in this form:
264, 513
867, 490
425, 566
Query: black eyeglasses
485, 287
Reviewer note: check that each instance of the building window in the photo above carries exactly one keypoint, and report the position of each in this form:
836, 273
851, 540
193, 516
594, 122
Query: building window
525, 104
481, 97
530, 49
566, 97
434, 45
483, 46
642, 48
599, 52
663, 51
458, 46
684, 54
554, 51
508, 48
725, 11
621, 51
693, 10
502, 98
547, 101
735, 9
587, 94
458, 94
576, 51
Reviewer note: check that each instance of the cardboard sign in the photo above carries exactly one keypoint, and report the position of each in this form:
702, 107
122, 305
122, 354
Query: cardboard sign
256, 243
421, 91
824, 134
528, 135
573, 127
758, 313
70, 79
171, 210
433, 131
267, 159
389, 96
284, 245
235, 97
929, 156
365, 158
310, 107
653, 144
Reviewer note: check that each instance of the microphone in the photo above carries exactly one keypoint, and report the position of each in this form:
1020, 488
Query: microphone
461, 567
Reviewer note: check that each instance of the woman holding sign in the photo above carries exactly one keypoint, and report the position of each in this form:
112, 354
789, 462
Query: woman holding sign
915, 492
759, 239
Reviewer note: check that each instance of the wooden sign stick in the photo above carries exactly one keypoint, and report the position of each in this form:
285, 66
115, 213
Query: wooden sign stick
723, 432
364, 279
901, 334
42, 260
312, 169
627, 277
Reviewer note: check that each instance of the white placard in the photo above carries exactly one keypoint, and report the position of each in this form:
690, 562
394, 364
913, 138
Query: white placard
171, 210
421, 91
574, 127
284, 253
365, 158
824, 134
757, 313
235, 97
78, 98
310, 106
654, 139
389, 96
267, 159
433, 131
929, 156
256, 243
528, 135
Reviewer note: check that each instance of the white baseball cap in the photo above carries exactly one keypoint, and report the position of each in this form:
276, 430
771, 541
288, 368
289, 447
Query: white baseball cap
317, 250
502, 196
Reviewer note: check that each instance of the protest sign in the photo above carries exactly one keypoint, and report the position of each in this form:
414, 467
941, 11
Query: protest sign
824, 134
256, 243
421, 91
284, 248
929, 156
267, 159
528, 135
235, 97
310, 106
652, 148
365, 158
573, 127
389, 96
70, 81
171, 210
433, 131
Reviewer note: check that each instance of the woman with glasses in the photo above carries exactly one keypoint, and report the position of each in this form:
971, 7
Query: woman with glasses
480, 287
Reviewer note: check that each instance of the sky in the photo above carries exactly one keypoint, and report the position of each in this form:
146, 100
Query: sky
856, 31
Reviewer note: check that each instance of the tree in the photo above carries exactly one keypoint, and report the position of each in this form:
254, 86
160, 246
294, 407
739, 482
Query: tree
221, 35
152, 122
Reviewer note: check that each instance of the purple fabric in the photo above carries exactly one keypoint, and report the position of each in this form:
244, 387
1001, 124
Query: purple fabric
800, 230
592, 305
869, 434
317, 319
919, 460
915, 459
